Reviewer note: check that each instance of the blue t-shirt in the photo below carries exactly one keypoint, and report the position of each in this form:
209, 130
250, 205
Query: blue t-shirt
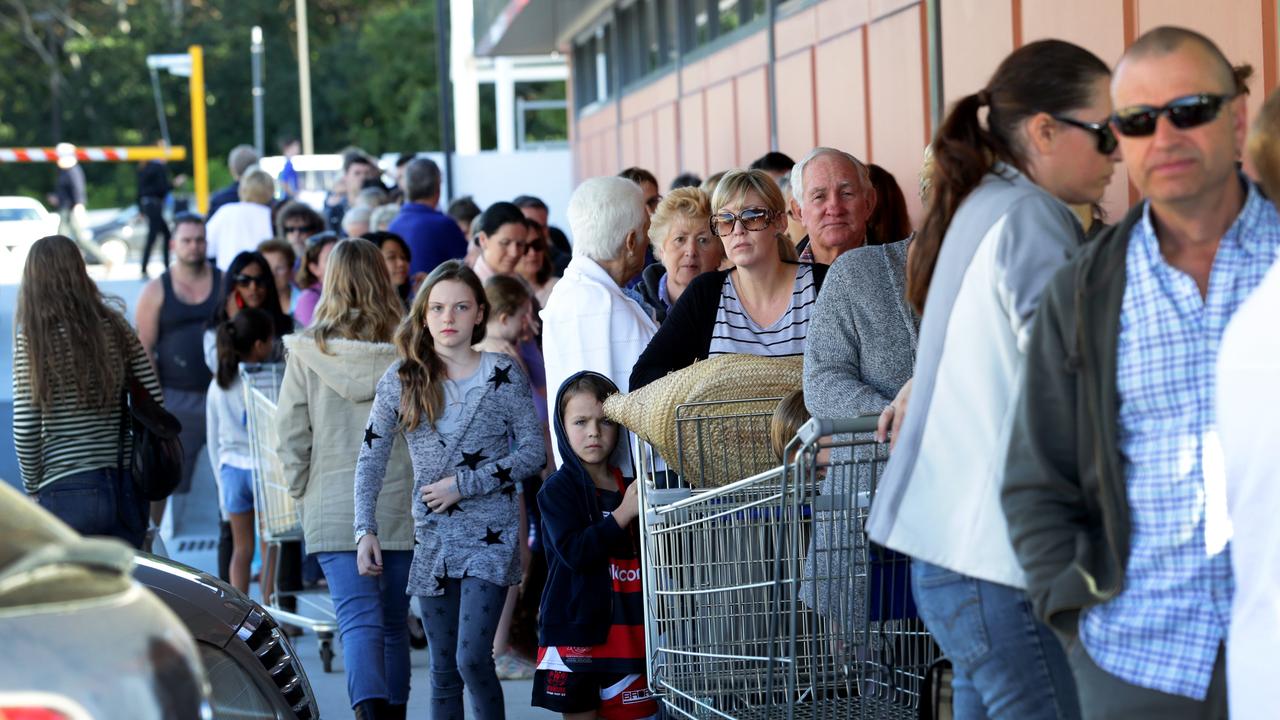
432, 236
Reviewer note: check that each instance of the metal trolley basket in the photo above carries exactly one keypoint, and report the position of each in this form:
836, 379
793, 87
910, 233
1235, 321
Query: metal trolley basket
279, 515
763, 597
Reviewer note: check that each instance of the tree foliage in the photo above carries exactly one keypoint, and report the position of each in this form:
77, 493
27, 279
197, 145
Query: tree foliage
75, 71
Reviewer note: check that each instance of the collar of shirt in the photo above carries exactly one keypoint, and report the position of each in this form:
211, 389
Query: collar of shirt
664, 295
1248, 232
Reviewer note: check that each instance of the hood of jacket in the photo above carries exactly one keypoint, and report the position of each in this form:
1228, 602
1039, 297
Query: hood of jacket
351, 368
570, 463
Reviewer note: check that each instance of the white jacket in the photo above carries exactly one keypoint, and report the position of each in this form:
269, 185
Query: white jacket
939, 496
236, 228
590, 324
1248, 393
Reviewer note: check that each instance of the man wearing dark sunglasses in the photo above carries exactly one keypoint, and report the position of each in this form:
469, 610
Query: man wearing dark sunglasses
1105, 489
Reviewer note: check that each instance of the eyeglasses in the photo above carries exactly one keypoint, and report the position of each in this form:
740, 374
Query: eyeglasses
1185, 112
1101, 131
291, 229
753, 218
258, 280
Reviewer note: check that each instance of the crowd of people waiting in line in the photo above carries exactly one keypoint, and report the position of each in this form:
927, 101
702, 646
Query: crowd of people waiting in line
1063, 396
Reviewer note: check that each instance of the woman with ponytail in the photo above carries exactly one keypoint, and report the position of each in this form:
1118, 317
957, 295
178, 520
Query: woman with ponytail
1007, 163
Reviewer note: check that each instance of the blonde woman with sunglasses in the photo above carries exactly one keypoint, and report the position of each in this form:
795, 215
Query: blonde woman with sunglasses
760, 306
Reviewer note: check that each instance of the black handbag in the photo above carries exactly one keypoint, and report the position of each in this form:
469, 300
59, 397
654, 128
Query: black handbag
156, 464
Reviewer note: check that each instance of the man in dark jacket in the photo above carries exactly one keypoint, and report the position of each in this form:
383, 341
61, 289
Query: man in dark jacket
1109, 507
153, 188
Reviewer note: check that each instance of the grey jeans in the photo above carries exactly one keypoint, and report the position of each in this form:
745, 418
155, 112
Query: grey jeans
1104, 696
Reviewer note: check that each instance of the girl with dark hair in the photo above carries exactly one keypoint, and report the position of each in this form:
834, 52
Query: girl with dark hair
73, 353
889, 221
1007, 162
395, 251
247, 283
247, 338
467, 419
310, 277
503, 237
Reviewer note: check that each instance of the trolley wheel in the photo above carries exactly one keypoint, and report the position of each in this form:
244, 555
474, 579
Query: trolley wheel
326, 653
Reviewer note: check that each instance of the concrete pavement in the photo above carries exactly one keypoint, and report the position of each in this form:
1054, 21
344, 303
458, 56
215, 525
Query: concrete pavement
331, 688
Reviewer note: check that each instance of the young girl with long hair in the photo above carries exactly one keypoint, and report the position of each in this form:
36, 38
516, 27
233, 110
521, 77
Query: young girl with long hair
310, 276
332, 371
1007, 162
245, 339
467, 419
73, 354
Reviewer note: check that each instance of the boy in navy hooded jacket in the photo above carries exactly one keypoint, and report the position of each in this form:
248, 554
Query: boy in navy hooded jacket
591, 658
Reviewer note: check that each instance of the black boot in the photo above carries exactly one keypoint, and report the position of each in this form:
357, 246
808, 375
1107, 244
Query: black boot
375, 709
397, 712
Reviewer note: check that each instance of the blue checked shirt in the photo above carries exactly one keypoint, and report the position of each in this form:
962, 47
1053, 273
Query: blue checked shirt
1164, 630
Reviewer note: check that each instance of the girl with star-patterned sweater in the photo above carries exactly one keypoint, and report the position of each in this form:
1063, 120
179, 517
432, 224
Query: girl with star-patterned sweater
468, 420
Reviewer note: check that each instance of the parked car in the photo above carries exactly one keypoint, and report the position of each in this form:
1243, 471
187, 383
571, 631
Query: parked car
252, 668
82, 637
122, 235
23, 221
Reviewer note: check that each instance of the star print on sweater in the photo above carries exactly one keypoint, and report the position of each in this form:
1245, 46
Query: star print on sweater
454, 508
472, 460
501, 375
502, 474
491, 536
370, 436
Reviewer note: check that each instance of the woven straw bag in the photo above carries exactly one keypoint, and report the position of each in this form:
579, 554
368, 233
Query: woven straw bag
723, 436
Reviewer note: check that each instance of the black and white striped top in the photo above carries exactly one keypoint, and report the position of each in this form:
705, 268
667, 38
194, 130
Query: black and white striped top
736, 332
67, 439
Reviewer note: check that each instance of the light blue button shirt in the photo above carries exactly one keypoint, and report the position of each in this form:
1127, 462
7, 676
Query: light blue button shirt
1164, 630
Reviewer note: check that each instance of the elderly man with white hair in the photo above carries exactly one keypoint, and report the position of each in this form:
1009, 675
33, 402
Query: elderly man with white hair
832, 196
590, 322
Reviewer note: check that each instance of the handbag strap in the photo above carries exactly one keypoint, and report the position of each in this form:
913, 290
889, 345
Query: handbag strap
125, 395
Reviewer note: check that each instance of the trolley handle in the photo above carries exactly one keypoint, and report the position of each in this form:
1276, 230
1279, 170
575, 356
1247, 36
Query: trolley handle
817, 428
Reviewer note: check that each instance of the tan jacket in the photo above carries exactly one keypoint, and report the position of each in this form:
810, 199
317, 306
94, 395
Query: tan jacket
321, 418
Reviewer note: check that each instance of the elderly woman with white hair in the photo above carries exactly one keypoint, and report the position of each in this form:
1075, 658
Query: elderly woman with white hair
590, 321
239, 226
761, 306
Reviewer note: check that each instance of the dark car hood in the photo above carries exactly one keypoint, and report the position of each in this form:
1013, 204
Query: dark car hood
211, 609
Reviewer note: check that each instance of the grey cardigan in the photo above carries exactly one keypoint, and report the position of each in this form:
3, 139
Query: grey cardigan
861, 346
498, 443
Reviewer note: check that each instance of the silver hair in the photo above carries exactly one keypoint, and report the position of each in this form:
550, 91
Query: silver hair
797, 172
602, 212
240, 159
358, 214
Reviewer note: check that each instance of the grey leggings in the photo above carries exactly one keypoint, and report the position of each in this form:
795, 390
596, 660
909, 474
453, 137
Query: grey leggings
460, 627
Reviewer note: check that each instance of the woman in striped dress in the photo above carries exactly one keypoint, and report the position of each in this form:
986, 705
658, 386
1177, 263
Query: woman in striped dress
73, 354
761, 306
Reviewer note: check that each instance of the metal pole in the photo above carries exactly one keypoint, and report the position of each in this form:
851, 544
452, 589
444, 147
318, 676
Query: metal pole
773, 75
255, 53
446, 96
304, 78
199, 141
155, 92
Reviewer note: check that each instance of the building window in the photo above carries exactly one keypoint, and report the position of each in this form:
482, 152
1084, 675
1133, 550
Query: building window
541, 117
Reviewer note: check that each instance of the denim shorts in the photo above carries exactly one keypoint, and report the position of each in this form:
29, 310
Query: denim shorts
237, 489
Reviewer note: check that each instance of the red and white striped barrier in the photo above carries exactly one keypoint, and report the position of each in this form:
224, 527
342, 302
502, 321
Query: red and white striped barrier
94, 154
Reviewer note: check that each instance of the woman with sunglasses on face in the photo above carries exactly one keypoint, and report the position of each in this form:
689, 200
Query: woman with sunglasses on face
759, 307
248, 282
536, 266
310, 277
1008, 162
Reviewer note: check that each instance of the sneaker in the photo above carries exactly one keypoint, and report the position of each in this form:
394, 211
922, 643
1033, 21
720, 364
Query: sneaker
511, 666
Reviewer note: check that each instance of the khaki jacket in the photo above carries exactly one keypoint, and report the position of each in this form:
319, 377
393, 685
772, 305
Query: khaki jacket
320, 419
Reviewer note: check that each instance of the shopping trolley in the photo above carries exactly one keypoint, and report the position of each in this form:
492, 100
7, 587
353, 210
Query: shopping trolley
763, 597
279, 516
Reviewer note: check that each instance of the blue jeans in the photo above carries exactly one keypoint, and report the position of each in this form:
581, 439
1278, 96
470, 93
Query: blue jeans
373, 615
1006, 663
102, 501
